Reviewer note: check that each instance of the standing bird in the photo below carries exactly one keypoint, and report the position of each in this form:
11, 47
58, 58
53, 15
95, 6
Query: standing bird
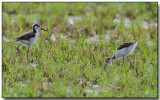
124, 50
29, 38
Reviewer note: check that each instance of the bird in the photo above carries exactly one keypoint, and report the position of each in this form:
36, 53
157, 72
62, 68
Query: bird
29, 38
123, 50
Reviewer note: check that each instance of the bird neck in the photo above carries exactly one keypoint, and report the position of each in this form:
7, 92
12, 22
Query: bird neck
113, 58
35, 30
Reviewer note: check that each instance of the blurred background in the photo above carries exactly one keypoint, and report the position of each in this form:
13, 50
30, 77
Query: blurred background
80, 19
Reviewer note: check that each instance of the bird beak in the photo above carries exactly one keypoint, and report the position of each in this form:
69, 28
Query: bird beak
43, 29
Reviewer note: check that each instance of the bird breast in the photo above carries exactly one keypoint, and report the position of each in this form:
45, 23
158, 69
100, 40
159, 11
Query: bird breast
34, 39
120, 53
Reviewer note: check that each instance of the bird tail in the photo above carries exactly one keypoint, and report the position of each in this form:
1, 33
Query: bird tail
16, 40
135, 41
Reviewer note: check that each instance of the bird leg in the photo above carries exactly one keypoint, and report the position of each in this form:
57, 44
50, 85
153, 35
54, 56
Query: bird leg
27, 53
31, 53
131, 65
18, 49
123, 61
19, 53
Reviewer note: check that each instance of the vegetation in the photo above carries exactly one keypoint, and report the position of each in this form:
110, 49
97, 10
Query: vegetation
69, 59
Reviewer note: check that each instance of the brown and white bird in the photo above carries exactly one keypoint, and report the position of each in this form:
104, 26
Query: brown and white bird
124, 50
29, 38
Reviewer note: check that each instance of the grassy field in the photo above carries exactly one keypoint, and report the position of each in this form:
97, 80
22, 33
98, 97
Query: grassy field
69, 59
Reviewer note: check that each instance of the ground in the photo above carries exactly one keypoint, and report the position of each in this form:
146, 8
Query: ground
69, 59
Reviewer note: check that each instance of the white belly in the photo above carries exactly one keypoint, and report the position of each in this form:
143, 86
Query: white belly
33, 40
30, 41
125, 51
24, 42
120, 53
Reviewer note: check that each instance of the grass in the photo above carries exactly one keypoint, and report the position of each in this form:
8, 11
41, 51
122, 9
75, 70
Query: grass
72, 64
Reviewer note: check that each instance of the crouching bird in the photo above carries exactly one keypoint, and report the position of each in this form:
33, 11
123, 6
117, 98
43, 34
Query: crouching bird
123, 50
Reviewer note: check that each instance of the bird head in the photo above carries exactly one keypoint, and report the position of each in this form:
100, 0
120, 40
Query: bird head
108, 61
37, 27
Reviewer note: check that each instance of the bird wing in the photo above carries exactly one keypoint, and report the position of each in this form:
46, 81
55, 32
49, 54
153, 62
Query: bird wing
26, 36
127, 44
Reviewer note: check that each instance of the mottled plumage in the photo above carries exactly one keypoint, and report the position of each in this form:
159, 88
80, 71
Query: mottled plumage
124, 45
26, 36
